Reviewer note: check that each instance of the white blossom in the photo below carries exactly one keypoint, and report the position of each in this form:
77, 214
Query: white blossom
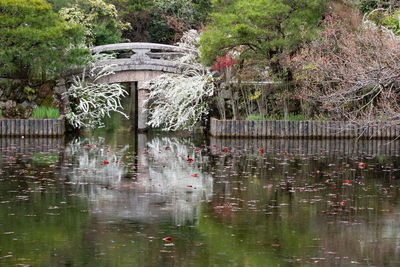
93, 101
179, 101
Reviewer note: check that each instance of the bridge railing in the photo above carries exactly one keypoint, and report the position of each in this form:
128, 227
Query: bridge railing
145, 51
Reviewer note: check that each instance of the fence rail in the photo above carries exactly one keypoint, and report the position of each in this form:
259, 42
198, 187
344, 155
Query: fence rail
32, 127
301, 129
324, 146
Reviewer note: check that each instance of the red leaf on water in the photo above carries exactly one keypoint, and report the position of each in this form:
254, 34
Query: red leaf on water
284, 153
334, 187
361, 165
346, 181
194, 175
167, 239
224, 150
89, 146
189, 186
342, 203
117, 162
106, 162
189, 160
262, 150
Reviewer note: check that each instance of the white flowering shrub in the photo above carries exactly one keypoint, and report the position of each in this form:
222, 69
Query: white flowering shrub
92, 101
180, 101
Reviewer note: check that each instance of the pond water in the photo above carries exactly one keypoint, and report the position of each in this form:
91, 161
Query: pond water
116, 198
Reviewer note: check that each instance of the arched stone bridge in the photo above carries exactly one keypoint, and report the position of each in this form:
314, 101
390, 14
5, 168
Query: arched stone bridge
138, 63
147, 61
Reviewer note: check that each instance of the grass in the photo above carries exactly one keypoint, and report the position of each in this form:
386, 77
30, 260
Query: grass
45, 112
53, 113
254, 117
291, 117
1, 113
298, 117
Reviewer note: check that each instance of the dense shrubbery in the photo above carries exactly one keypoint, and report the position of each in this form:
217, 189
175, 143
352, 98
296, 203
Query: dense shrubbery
351, 71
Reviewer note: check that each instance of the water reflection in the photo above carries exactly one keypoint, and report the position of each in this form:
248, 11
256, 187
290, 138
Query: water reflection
110, 201
163, 184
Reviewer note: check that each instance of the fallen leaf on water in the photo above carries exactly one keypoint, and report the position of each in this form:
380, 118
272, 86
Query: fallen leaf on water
361, 165
167, 239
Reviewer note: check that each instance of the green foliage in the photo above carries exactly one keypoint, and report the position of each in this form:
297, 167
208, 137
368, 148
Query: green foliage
263, 28
52, 113
296, 117
161, 21
36, 43
29, 92
291, 117
366, 6
392, 22
45, 112
99, 19
1, 113
58, 4
171, 18
39, 113
254, 117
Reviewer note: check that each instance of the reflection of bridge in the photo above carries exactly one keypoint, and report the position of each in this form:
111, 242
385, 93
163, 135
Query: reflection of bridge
138, 63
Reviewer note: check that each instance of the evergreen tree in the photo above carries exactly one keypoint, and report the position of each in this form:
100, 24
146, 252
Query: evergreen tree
262, 28
35, 42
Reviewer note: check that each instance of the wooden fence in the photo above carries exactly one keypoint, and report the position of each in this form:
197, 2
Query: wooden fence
301, 129
318, 147
32, 127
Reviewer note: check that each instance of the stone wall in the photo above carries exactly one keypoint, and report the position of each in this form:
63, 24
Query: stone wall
18, 100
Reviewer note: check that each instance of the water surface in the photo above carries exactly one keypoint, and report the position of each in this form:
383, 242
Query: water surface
113, 198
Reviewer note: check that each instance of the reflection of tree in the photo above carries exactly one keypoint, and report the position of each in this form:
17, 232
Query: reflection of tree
176, 172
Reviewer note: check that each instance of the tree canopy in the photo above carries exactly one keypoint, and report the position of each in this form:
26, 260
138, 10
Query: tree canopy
35, 42
261, 28
100, 20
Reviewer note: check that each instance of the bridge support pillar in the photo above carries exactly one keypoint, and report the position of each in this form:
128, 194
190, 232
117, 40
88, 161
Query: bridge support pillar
143, 93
